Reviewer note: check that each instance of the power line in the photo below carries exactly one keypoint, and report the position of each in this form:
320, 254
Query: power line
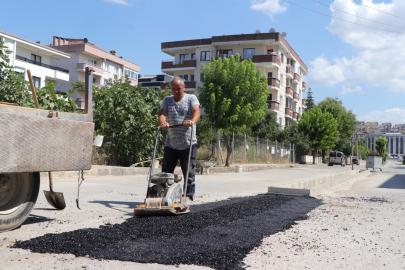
380, 10
341, 19
356, 15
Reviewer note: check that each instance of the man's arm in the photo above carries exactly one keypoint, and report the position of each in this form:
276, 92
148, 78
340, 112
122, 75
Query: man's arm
196, 116
162, 119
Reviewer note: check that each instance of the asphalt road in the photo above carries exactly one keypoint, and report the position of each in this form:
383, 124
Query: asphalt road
357, 226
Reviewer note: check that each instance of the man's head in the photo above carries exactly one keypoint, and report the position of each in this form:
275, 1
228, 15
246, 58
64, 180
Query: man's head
177, 86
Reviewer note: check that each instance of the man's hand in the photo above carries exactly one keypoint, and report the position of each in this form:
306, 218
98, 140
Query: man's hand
164, 126
188, 123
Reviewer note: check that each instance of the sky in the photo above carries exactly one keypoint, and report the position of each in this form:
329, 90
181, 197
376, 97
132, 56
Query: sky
354, 49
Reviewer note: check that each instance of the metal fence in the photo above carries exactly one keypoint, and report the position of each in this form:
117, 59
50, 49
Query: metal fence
245, 149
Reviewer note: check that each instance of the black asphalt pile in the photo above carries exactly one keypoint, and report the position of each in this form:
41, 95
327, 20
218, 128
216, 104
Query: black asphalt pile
218, 235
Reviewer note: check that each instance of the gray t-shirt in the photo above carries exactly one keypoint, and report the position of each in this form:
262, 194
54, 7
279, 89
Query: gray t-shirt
179, 137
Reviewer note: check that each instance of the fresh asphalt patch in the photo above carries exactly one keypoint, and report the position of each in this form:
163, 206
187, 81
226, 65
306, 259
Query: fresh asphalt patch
217, 235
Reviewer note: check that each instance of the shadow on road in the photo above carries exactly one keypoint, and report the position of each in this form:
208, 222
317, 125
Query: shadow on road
395, 182
118, 205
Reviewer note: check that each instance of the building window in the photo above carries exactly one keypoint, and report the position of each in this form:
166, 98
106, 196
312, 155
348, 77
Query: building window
116, 70
36, 59
106, 66
224, 53
130, 73
92, 62
281, 101
184, 77
184, 57
192, 77
280, 121
248, 53
270, 97
205, 56
37, 81
269, 74
282, 58
193, 56
281, 79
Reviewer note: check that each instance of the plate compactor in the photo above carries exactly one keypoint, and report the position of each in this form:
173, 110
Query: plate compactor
164, 195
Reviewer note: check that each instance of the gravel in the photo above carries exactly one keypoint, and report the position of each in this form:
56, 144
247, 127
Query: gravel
217, 235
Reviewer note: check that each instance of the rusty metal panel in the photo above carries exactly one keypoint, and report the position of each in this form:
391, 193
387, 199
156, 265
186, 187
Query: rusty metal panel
37, 143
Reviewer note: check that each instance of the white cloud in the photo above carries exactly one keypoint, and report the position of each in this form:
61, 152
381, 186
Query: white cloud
348, 90
269, 7
379, 59
121, 2
393, 116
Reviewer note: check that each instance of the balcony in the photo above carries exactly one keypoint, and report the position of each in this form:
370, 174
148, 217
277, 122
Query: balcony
266, 58
185, 64
296, 97
289, 92
288, 113
97, 69
303, 102
295, 115
41, 64
273, 82
290, 73
296, 77
273, 105
189, 85
304, 86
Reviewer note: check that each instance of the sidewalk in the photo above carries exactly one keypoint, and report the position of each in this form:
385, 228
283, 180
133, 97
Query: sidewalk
297, 179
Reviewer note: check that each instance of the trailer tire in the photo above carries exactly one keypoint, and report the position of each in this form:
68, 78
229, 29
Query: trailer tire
18, 195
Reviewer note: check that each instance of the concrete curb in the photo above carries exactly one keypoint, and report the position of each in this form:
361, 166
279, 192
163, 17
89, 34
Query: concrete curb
120, 171
318, 186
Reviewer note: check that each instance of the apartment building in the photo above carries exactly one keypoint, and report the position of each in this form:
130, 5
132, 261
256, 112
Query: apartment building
395, 144
270, 52
27, 54
106, 65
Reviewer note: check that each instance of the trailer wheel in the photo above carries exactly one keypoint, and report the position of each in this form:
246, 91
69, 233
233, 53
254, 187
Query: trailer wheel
18, 195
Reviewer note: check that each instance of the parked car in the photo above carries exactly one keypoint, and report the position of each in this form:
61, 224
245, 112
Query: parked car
355, 160
336, 157
400, 158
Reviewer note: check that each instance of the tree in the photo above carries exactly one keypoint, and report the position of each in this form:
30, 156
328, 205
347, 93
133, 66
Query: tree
346, 121
268, 128
380, 146
301, 141
321, 129
233, 96
309, 102
127, 116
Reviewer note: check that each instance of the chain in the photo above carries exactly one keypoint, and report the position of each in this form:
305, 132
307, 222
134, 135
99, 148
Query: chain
79, 182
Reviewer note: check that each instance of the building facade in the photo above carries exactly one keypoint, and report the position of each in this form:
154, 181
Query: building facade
270, 52
395, 144
27, 54
154, 81
106, 65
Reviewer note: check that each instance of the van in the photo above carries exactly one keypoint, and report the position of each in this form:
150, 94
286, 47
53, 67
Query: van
336, 157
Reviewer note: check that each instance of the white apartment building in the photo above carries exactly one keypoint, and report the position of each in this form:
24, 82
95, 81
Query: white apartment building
27, 54
395, 144
84, 54
269, 51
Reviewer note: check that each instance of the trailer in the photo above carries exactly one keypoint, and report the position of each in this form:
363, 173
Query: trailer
34, 141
